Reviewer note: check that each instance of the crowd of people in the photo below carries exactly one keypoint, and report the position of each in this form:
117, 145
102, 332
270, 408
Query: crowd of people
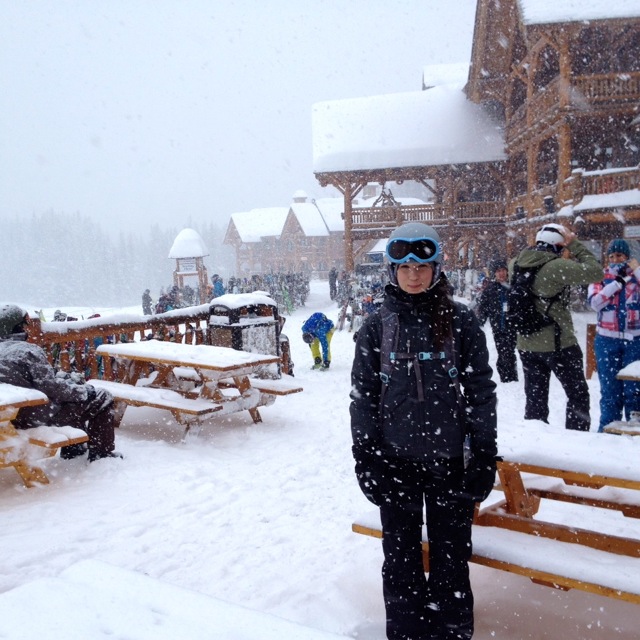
423, 398
288, 290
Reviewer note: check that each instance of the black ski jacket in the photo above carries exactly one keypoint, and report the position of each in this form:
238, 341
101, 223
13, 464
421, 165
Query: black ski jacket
405, 427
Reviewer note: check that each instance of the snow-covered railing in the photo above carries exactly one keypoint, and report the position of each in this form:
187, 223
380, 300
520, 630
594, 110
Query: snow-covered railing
71, 346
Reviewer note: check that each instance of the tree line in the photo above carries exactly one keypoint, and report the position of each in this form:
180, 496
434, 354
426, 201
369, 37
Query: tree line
65, 259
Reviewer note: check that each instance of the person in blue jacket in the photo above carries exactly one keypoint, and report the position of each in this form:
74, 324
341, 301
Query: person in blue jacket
317, 332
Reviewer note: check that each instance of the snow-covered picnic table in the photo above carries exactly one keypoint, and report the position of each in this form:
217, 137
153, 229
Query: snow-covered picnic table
23, 449
189, 380
547, 466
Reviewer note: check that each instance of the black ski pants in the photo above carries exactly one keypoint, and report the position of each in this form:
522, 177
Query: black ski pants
506, 364
93, 417
567, 365
441, 607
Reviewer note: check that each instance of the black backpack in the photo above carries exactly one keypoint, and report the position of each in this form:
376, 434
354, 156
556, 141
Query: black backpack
522, 314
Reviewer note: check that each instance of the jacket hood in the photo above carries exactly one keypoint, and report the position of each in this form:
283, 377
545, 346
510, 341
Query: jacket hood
10, 316
534, 257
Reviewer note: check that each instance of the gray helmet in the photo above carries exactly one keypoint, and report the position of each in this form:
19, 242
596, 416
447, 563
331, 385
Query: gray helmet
429, 252
11, 315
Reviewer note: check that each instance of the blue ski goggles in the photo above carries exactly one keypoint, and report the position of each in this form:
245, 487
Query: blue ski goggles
401, 250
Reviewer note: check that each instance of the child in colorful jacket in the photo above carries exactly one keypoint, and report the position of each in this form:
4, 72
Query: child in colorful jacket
617, 301
317, 332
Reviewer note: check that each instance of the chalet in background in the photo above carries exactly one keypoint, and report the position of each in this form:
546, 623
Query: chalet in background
546, 128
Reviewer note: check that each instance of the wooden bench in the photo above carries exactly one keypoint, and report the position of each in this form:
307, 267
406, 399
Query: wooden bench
562, 565
584, 469
185, 410
278, 387
22, 449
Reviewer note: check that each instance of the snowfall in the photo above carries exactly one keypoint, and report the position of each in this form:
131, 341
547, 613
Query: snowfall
243, 531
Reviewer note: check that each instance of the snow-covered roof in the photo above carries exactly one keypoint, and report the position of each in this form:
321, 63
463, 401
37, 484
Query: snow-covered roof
548, 11
188, 244
433, 127
310, 219
256, 224
332, 210
380, 246
434, 75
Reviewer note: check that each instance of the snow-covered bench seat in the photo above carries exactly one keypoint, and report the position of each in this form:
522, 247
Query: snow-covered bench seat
183, 409
280, 387
549, 562
23, 449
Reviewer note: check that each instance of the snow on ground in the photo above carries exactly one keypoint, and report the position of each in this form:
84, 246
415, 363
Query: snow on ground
260, 516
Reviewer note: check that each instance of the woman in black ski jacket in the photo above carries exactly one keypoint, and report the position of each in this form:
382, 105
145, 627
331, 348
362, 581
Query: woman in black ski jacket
421, 384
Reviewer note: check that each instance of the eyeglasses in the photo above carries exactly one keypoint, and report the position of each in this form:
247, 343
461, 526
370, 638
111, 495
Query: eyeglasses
401, 250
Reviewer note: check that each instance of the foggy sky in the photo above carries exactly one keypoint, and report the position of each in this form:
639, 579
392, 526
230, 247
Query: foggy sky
157, 111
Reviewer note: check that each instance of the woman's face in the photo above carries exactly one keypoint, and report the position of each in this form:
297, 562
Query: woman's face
414, 278
617, 258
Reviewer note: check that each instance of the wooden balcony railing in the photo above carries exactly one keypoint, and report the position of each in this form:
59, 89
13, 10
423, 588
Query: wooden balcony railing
609, 87
588, 183
376, 219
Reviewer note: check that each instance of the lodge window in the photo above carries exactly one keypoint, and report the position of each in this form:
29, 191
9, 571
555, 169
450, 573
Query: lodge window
547, 162
602, 50
548, 67
519, 174
518, 94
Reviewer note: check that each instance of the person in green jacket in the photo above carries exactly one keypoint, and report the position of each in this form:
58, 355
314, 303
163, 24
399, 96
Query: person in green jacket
555, 349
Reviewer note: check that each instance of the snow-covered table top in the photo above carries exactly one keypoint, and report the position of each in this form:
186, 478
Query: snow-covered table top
105, 601
186, 355
589, 453
12, 396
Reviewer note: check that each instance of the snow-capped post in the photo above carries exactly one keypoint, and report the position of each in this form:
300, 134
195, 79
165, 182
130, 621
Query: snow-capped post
189, 250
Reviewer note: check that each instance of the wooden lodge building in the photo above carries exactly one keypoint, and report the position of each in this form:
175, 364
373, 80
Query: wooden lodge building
545, 127
305, 237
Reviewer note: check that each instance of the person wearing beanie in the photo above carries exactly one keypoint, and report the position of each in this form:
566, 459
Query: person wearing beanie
218, 286
71, 402
421, 382
492, 305
616, 300
555, 349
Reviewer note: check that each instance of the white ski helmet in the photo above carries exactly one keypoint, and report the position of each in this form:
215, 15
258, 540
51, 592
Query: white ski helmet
552, 234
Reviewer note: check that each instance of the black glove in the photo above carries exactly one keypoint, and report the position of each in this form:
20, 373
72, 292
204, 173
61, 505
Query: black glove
100, 398
370, 471
91, 392
317, 360
479, 477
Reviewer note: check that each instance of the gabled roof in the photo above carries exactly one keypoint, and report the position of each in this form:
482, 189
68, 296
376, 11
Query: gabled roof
424, 128
256, 224
332, 210
548, 11
309, 218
